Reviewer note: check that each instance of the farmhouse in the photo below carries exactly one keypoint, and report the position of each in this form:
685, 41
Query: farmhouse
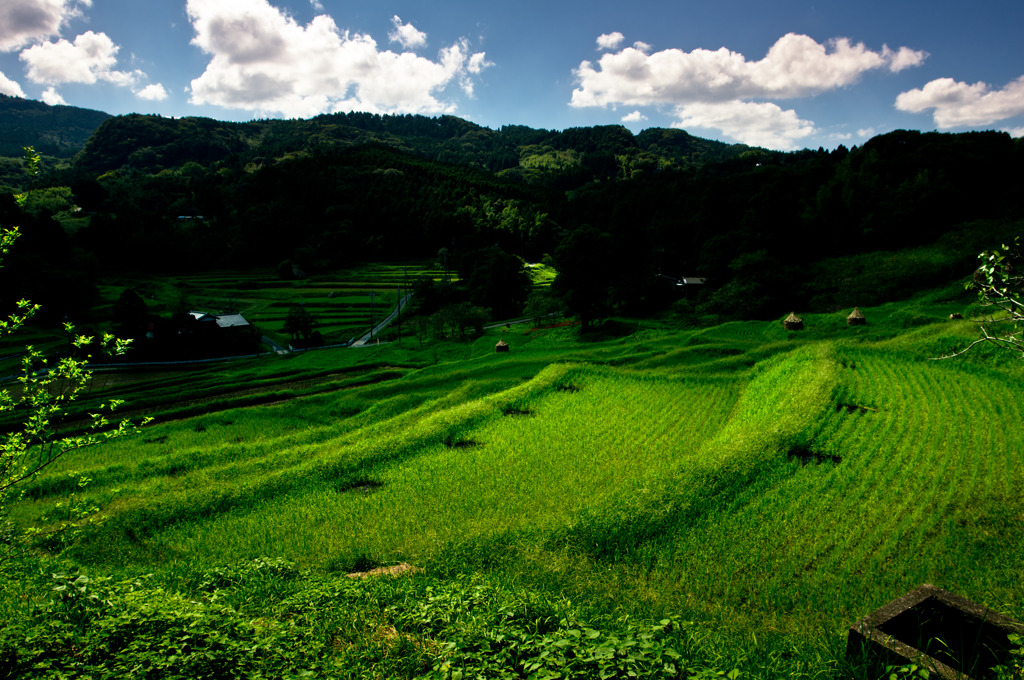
206, 322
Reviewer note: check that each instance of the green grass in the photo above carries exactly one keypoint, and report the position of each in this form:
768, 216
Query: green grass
760, 487
342, 303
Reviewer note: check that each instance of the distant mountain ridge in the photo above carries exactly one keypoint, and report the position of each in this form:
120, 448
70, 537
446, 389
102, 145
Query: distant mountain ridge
193, 193
59, 131
150, 143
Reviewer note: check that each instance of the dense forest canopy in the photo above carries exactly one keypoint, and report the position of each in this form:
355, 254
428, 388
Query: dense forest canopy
621, 214
53, 130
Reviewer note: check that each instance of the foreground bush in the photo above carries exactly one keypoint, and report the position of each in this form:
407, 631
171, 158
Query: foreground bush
265, 619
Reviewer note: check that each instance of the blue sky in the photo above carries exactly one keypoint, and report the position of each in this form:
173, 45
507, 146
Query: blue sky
786, 74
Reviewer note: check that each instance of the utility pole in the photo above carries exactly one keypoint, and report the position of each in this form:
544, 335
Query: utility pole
372, 318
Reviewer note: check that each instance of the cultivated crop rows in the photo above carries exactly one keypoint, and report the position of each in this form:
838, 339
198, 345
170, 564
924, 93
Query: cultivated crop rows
761, 484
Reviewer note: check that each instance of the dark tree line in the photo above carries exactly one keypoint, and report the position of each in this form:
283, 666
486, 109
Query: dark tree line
622, 214
754, 224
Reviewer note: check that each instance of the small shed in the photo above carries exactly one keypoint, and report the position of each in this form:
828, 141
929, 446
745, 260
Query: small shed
856, 318
793, 322
502, 346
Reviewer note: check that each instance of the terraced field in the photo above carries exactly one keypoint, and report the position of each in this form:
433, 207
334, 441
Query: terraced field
343, 303
769, 487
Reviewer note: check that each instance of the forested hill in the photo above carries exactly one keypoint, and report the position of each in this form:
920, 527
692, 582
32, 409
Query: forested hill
150, 144
53, 130
619, 213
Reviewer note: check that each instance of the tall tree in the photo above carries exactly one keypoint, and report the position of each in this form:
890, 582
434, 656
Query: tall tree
498, 280
585, 263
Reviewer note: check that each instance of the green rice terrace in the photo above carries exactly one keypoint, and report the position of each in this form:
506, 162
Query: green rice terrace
342, 303
654, 501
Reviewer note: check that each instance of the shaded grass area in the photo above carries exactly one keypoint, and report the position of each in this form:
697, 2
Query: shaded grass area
342, 303
759, 488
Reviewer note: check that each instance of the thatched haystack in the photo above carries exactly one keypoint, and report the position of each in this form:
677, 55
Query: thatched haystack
502, 346
793, 322
856, 318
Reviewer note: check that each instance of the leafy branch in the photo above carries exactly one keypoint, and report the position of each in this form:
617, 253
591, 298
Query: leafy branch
1000, 286
33, 416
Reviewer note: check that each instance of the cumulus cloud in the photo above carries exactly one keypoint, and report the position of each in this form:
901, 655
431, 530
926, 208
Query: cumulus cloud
866, 132
9, 87
1015, 132
634, 117
903, 58
23, 21
609, 41
90, 58
52, 97
956, 103
154, 93
407, 35
262, 60
755, 123
715, 88
795, 66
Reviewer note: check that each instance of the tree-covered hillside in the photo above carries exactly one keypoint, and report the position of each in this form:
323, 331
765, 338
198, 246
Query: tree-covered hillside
153, 143
53, 130
622, 215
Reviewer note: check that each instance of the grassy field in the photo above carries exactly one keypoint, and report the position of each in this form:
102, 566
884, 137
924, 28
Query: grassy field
728, 499
342, 303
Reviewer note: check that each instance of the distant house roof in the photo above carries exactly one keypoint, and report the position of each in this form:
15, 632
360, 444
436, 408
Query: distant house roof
222, 320
231, 321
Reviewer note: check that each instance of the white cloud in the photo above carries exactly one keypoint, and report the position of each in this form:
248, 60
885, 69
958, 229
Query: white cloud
317, 5
634, 117
407, 35
52, 97
9, 87
154, 92
866, 132
758, 124
795, 66
707, 86
903, 58
263, 61
23, 21
1015, 132
956, 103
609, 41
89, 59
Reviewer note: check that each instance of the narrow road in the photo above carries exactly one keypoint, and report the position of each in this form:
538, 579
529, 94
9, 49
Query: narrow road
274, 347
361, 342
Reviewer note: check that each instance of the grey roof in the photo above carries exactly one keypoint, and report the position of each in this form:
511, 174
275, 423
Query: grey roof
231, 321
223, 320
